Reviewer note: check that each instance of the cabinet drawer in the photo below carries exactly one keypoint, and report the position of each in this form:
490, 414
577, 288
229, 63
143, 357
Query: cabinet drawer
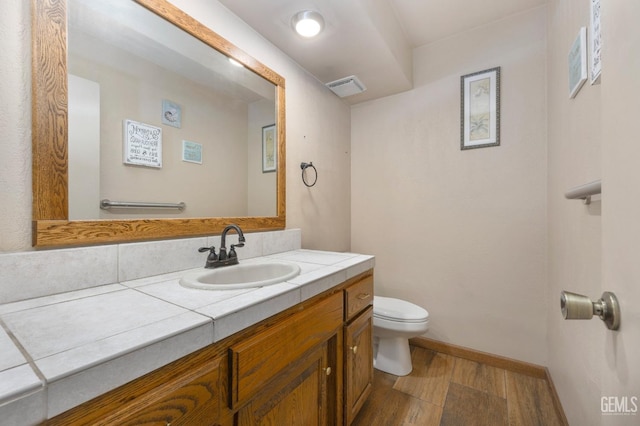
190, 396
261, 357
358, 296
182, 402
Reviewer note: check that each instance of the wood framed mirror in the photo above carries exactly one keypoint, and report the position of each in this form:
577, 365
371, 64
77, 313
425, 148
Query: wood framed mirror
52, 225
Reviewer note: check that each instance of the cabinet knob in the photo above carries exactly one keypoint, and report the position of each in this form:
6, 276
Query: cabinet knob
363, 296
328, 371
354, 349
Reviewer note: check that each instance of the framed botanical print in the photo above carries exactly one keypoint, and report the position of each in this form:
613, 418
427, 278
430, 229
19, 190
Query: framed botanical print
269, 149
480, 109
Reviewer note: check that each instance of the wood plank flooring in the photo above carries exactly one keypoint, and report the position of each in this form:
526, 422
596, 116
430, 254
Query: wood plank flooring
443, 390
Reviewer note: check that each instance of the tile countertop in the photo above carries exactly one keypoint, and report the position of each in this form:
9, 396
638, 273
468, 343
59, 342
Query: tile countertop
84, 343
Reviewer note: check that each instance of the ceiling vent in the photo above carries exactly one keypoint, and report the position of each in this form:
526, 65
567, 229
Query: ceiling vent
347, 86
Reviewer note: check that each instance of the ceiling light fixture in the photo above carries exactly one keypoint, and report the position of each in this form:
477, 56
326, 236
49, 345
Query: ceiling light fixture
307, 23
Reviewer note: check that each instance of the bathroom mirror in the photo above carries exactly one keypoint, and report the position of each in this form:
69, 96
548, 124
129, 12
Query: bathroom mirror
193, 156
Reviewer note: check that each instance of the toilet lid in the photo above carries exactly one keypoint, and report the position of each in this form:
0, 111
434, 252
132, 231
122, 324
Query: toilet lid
398, 310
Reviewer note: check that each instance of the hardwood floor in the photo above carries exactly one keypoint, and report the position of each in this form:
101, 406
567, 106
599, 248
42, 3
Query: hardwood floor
444, 390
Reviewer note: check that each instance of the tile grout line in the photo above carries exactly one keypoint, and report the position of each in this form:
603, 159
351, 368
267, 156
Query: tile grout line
25, 353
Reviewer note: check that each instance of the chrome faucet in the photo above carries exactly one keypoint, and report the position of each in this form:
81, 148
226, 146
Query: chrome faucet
223, 259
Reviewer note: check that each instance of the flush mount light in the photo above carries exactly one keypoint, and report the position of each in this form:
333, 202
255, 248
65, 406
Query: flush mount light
307, 23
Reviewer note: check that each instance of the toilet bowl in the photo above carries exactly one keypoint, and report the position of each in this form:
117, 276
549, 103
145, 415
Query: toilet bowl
395, 321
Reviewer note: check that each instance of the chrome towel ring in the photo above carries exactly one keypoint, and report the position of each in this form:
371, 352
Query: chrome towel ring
304, 167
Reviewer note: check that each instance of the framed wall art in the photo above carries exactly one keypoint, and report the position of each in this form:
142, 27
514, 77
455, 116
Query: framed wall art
191, 152
578, 63
269, 149
171, 113
480, 109
142, 144
595, 42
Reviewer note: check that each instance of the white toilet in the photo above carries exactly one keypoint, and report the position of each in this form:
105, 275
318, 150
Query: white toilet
395, 321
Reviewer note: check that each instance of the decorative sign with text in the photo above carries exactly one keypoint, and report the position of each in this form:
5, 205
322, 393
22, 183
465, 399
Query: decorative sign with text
191, 152
142, 144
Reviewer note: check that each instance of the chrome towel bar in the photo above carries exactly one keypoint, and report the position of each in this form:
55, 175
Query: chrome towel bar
584, 192
107, 204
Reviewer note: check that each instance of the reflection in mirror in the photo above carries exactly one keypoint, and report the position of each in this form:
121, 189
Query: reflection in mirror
158, 116
179, 94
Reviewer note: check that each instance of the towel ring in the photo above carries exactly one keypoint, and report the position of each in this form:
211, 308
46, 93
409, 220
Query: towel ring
305, 166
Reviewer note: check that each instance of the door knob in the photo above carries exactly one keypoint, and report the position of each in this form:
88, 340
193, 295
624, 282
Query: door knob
577, 306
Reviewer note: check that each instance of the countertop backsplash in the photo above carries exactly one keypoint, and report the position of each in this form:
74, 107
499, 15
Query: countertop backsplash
27, 275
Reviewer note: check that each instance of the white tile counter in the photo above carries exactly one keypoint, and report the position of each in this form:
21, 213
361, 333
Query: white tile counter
80, 344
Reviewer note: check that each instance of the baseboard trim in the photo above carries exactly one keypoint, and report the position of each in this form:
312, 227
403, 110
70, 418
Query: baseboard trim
498, 361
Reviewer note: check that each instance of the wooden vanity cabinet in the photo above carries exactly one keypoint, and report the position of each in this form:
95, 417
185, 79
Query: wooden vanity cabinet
309, 365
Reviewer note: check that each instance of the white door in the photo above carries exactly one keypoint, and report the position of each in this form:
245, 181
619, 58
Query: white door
621, 207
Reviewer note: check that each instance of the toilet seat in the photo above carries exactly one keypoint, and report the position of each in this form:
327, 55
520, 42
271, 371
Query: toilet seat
398, 310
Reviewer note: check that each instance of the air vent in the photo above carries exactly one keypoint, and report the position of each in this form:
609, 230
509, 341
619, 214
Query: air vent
347, 86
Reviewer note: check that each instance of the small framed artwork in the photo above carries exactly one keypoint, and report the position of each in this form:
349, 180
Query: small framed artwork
142, 144
480, 109
578, 63
171, 114
191, 152
269, 149
595, 42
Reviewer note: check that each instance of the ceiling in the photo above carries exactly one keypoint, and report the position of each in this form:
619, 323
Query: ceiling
372, 39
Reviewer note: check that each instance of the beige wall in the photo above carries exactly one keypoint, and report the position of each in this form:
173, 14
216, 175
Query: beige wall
462, 233
15, 127
318, 129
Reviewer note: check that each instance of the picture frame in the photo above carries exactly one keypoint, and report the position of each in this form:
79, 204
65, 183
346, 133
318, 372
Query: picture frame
578, 63
269, 149
480, 109
171, 113
142, 144
595, 42
191, 152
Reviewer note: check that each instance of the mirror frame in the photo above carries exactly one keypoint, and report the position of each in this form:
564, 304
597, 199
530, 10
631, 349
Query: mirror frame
50, 215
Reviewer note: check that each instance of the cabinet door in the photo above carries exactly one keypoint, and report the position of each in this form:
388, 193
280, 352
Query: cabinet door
358, 353
263, 356
298, 396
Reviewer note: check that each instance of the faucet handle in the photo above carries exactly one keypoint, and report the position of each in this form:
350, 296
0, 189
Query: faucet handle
212, 252
212, 258
232, 250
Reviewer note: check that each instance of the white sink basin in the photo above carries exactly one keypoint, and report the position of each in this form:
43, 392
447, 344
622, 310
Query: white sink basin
244, 275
